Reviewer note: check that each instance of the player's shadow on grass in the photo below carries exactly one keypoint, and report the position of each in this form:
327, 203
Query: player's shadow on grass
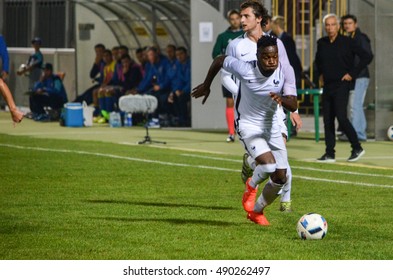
167, 220
161, 204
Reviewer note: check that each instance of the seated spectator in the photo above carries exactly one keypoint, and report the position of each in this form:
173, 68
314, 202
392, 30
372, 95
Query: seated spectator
115, 53
34, 64
102, 103
156, 83
171, 53
122, 50
111, 92
96, 70
124, 80
179, 98
173, 63
141, 56
48, 91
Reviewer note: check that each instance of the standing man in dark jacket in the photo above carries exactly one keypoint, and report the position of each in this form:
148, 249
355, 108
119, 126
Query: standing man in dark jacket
335, 60
220, 46
358, 118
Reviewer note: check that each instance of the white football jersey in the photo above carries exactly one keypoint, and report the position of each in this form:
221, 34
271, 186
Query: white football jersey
254, 106
245, 49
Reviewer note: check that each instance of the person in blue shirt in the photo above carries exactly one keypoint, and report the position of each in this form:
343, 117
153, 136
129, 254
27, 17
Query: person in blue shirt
4, 59
48, 91
156, 83
180, 95
34, 63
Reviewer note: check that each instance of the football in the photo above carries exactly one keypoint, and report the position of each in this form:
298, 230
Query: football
390, 133
312, 226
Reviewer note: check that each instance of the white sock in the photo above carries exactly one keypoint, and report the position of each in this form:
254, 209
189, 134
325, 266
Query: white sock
261, 173
260, 204
251, 162
270, 192
286, 189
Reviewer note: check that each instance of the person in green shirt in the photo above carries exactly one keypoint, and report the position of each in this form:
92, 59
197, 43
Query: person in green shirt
223, 39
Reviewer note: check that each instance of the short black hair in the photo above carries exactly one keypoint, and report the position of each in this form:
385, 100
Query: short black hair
108, 51
349, 16
126, 55
100, 46
123, 47
266, 18
266, 41
182, 49
172, 46
48, 66
154, 49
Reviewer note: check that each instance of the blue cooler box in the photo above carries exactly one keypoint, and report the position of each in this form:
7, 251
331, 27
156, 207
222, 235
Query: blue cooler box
73, 115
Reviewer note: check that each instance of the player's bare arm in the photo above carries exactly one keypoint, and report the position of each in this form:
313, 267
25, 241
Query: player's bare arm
288, 102
204, 88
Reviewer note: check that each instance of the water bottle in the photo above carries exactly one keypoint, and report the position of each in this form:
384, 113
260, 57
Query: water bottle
129, 119
114, 119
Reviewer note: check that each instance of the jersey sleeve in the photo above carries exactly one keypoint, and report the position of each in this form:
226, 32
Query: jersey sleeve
289, 87
237, 67
226, 77
287, 69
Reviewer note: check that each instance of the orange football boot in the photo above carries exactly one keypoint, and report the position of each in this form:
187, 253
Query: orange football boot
258, 218
249, 196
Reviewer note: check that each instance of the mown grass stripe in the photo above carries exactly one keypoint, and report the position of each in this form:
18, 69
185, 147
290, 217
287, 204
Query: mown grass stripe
300, 167
183, 164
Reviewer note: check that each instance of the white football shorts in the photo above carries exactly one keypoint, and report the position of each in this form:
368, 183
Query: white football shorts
259, 143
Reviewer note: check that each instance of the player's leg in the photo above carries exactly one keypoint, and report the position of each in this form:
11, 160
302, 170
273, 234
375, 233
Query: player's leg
278, 178
265, 168
285, 205
248, 167
274, 186
258, 148
229, 114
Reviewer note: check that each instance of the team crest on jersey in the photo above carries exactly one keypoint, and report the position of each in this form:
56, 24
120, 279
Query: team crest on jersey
276, 83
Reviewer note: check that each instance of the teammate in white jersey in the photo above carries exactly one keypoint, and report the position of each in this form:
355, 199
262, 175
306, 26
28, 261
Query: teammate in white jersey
263, 85
253, 14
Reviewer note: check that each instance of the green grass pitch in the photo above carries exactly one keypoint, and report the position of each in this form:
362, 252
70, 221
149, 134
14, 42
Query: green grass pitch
77, 199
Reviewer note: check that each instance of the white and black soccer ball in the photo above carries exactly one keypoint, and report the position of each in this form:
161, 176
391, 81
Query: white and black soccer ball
390, 133
312, 226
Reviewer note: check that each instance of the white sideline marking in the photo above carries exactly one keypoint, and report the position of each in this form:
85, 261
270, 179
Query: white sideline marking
341, 182
214, 158
117, 157
174, 148
299, 167
179, 164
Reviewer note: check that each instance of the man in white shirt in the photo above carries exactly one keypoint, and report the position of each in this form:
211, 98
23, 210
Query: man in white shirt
263, 86
253, 16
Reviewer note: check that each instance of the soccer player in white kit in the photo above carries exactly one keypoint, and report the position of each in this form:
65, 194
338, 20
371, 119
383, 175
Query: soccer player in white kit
244, 48
263, 85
